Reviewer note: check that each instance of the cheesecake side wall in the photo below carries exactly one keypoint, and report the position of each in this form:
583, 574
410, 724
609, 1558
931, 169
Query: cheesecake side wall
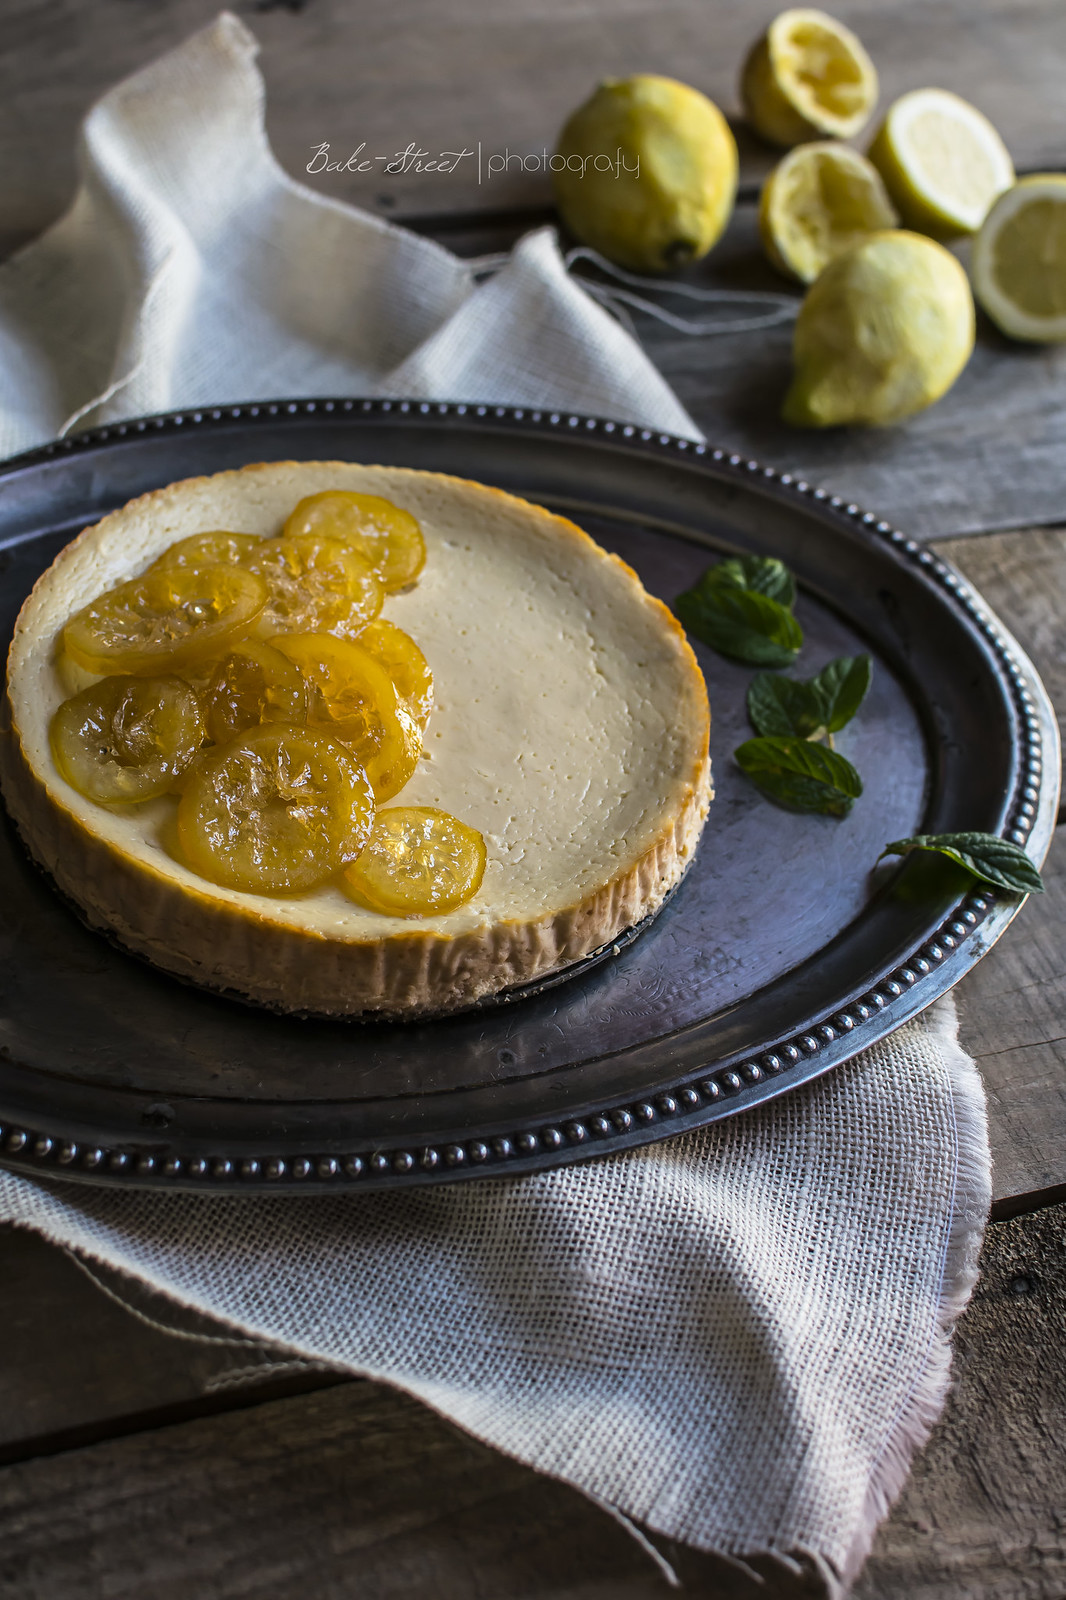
405, 976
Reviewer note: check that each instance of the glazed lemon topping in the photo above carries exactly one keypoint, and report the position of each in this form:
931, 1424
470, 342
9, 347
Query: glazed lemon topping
388, 537
127, 738
253, 676
165, 620
417, 858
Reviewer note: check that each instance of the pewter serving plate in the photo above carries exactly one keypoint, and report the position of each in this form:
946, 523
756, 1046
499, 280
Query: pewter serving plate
783, 952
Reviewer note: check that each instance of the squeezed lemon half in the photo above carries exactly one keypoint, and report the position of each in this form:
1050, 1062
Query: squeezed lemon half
1019, 260
819, 200
942, 161
808, 77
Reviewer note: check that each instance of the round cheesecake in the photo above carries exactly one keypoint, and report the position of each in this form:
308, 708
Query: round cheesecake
570, 726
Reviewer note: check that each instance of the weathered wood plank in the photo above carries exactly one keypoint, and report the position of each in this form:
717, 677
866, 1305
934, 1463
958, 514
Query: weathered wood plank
118, 1374
502, 75
981, 1517
1012, 1020
353, 1490
1012, 1007
1022, 575
359, 1490
987, 456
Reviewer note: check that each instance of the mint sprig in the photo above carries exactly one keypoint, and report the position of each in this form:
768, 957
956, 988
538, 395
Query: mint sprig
811, 708
800, 775
743, 609
985, 855
763, 574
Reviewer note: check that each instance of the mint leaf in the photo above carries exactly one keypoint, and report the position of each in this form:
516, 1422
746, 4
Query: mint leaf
842, 687
782, 707
800, 775
986, 855
763, 574
738, 621
823, 704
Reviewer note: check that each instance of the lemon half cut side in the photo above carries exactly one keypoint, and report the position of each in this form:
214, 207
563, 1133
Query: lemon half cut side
1019, 260
808, 77
942, 161
819, 200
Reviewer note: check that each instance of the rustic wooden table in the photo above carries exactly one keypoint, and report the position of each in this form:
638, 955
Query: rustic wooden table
135, 1463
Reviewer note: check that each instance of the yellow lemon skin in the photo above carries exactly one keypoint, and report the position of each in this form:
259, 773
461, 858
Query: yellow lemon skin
883, 332
646, 173
807, 77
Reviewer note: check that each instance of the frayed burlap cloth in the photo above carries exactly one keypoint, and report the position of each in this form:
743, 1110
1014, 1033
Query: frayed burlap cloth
736, 1337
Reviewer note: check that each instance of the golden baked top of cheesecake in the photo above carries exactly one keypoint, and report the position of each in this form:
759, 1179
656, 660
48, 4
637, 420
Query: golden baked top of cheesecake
569, 728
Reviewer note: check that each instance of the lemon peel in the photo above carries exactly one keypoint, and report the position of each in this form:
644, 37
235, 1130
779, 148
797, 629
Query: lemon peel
648, 174
1019, 260
942, 161
819, 200
883, 332
808, 77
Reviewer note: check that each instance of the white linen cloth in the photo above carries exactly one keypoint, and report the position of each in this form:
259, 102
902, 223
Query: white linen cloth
737, 1336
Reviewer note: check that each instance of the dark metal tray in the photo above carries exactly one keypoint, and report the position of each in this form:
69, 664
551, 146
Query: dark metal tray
782, 953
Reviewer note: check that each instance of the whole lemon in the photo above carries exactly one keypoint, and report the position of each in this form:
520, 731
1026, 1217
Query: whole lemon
883, 332
646, 173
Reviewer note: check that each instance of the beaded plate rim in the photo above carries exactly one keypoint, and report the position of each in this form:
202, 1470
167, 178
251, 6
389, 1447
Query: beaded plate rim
968, 930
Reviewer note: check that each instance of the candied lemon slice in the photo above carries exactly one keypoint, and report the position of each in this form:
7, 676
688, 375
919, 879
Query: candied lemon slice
405, 663
165, 620
254, 683
808, 77
389, 537
1019, 260
317, 585
819, 200
217, 548
127, 738
276, 811
418, 862
351, 694
388, 779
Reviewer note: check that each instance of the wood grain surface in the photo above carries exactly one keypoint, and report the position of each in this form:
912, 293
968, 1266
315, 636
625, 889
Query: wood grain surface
121, 1372
981, 1517
495, 72
356, 1490
988, 456
1022, 575
1012, 1010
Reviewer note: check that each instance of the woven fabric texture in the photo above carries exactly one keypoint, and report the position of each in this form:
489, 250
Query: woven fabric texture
736, 1337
